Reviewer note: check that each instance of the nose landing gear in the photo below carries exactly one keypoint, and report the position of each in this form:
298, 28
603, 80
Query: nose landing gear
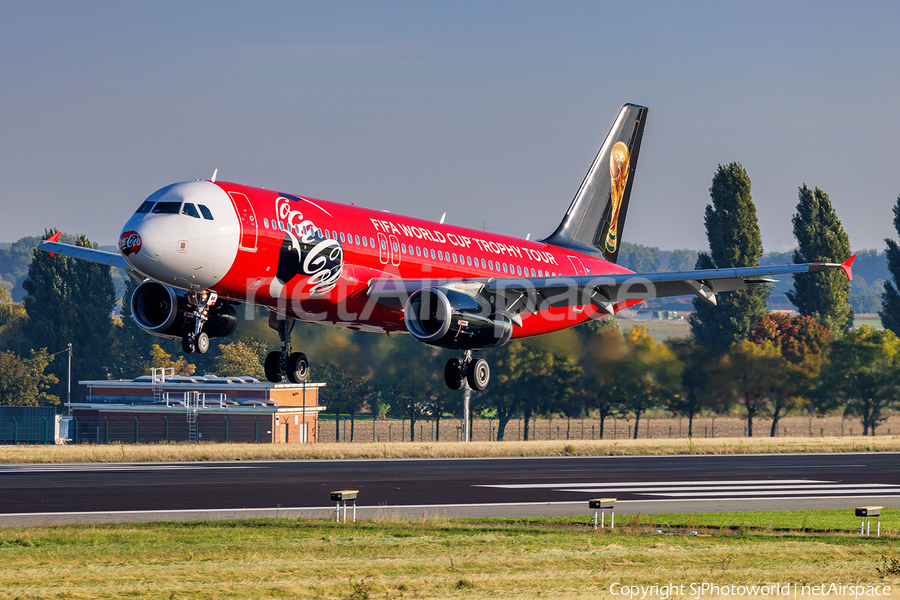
284, 363
198, 339
464, 369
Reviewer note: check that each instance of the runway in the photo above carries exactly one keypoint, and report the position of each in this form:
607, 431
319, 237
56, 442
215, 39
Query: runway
495, 487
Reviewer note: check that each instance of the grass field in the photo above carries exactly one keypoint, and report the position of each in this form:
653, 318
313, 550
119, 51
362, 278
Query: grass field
550, 558
176, 452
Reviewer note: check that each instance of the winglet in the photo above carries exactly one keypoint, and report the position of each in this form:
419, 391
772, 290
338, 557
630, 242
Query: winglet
53, 238
846, 267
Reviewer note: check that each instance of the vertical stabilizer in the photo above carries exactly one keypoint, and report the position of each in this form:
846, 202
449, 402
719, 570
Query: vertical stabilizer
595, 221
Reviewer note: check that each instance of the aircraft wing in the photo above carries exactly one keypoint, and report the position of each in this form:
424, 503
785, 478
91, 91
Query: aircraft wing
609, 293
113, 259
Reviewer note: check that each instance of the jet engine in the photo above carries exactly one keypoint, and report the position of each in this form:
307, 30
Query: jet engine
453, 319
167, 312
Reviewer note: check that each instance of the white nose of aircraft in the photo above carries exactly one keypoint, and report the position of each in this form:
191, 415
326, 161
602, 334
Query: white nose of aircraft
184, 235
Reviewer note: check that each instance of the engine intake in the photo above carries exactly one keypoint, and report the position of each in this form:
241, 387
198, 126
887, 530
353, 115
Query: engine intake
166, 312
452, 319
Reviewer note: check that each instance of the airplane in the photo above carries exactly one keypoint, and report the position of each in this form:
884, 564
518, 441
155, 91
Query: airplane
200, 248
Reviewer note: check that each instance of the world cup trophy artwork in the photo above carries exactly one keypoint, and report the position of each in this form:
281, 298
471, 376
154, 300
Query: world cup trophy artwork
618, 170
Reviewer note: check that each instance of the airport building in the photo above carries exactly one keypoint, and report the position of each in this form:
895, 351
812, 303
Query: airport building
162, 407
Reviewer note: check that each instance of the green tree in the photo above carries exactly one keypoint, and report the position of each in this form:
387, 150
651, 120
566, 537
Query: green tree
601, 383
639, 258
821, 238
756, 372
681, 260
697, 391
890, 298
241, 357
648, 374
24, 382
160, 359
734, 241
71, 301
346, 395
863, 371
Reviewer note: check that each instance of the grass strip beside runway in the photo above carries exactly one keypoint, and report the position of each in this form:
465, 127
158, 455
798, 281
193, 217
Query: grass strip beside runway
556, 558
178, 452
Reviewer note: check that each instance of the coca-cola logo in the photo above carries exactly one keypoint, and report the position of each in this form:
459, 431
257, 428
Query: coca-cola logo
130, 243
309, 252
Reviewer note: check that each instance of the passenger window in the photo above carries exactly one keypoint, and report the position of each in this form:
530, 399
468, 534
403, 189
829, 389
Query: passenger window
504, 268
394, 244
372, 242
167, 208
144, 208
491, 265
440, 255
356, 239
365, 243
482, 264
432, 254
469, 260
190, 210
454, 258
383, 245
205, 212
418, 251
342, 237
403, 248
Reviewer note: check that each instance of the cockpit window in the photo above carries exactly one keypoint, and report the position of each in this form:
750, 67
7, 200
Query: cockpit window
206, 214
167, 208
145, 207
190, 210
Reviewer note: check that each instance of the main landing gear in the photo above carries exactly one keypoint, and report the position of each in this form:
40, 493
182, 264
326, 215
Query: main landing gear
198, 339
284, 363
463, 369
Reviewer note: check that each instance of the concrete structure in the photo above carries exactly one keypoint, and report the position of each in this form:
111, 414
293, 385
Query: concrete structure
163, 407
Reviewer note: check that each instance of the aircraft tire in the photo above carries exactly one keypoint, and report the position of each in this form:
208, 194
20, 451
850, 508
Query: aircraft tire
187, 343
298, 368
271, 367
479, 374
453, 375
202, 343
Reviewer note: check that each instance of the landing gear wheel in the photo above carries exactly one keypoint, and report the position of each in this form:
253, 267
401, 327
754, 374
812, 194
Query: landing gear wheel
187, 343
479, 373
297, 368
271, 367
453, 376
202, 343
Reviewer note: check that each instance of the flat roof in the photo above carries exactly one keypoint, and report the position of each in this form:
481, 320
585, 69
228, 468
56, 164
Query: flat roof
160, 407
205, 381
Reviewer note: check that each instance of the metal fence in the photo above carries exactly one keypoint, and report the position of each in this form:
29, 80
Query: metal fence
365, 429
27, 425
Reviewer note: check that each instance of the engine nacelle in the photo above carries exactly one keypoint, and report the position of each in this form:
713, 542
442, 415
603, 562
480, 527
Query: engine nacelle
166, 312
452, 319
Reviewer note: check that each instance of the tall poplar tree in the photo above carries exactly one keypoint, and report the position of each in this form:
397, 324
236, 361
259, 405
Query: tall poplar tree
71, 301
821, 238
890, 298
734, 241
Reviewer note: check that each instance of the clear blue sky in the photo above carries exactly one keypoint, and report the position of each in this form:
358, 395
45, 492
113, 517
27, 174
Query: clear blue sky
491, 111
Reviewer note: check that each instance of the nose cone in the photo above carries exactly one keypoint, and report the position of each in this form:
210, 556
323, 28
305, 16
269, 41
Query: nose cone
184, 235
141, 244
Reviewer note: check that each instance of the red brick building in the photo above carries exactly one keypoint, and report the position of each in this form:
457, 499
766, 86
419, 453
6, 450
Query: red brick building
161, 408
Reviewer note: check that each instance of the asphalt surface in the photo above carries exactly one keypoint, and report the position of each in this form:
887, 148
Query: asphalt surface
495, 487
